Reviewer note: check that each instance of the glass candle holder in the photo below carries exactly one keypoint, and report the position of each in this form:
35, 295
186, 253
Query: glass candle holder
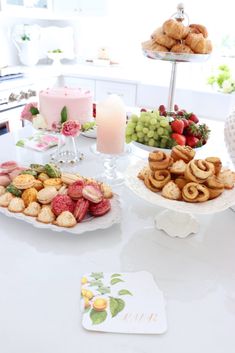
111, 125
67, 152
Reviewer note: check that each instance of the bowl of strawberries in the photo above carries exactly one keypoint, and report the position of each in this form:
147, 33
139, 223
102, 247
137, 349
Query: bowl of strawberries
160, 128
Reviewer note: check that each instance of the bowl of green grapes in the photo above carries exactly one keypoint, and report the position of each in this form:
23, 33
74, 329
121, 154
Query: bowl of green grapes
160, 129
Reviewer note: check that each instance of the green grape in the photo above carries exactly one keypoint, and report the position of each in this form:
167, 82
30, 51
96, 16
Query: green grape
143, 117
129, 131
155, 135
131, 125
134, 118
145, 130
152, 127
140, 134
146, 138
88, 125
128, 139
141, 139
150, 133
151, 142
160, 131
153, 121
134, 137
164, 123
139, 127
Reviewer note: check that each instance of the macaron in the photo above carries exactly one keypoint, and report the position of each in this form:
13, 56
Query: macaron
14, 173
46, 195
62, 203
92, 193
8, 166
2, 190
23, 181
75, 189
29, 195
69, 178
56, 182
4, 179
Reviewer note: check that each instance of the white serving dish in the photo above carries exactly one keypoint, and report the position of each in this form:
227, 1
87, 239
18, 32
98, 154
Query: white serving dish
106, 221
177, 220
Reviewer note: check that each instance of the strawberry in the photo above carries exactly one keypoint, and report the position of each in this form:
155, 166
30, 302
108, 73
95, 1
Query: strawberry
191, 129
193, 118
177, 126
192, 141
186, 122
179, 139
143, 110
162, 110
180, 113
94, 110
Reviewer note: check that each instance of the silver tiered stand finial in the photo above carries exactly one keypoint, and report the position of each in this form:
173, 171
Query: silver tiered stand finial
179, 16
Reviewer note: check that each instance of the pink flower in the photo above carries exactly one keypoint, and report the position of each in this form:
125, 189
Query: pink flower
29, 111
56, 126
70, 128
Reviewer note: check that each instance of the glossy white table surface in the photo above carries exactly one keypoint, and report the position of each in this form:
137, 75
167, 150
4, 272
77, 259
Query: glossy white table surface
40, 273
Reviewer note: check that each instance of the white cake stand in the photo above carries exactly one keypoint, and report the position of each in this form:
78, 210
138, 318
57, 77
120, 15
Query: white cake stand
177, 220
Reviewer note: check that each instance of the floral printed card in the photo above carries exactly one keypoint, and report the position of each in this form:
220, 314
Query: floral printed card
123, 303
39, 141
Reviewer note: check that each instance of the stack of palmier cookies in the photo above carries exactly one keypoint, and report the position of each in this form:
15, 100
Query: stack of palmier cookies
178, 176
175, 37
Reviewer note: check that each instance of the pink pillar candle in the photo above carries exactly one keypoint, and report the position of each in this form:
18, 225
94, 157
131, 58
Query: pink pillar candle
111, 125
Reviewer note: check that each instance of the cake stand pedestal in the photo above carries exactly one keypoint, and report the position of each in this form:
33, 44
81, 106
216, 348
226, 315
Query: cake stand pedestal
176, 224
177, 219
174, 58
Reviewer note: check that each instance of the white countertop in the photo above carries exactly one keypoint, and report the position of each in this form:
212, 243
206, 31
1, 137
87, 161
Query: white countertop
40, 272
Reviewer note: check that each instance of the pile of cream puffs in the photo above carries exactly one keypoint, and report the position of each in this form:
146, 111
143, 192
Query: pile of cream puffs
43, 192
175, 37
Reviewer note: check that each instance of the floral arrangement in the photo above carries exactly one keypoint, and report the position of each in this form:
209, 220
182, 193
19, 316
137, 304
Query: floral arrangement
222, 80
64, 126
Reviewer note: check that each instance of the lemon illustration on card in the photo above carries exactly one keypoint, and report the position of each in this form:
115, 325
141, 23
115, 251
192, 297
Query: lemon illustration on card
114, 302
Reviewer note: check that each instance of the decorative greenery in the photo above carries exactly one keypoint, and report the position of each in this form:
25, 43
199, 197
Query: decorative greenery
116, 280
55, 51
98, 316
63, 115
124, 292
222, 79
25, 37
116, 305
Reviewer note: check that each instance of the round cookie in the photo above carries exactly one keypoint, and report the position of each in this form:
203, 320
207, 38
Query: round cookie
23, 181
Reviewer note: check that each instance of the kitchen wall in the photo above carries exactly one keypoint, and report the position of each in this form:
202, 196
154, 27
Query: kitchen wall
121, 29
9, 55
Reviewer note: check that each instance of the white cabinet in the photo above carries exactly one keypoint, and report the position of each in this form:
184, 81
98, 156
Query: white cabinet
80, 7
11, 119
100, 89
126, 91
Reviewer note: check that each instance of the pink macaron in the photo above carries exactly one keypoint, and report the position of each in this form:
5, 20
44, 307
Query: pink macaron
8, 166
4, 179
14, 173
